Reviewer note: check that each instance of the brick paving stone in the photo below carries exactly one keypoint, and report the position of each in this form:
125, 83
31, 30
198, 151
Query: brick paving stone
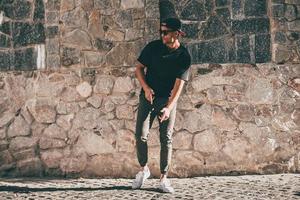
279, 186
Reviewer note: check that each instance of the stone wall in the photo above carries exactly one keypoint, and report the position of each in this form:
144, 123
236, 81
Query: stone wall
231, 118
75, 115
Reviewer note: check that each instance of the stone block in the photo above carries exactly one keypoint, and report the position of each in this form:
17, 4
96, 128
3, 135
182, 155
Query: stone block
124, 112
6, 61
182, 140
52, 31
243, 49
53, 5
104, 45
53, 62
52, 17
70, 56
280, 38
78, 38
278, 10
290, 12
214, 28
281, 54
237, 9
123, 84
262, 48
25, 33
25, 59
293, 35
216, 51
222, 3
5, 28
5, 42
294, 25
21, 9
194, 10
42, 110
246, 26
124, 19
52, 46
209, 6
39, 10
255, 8
128, 4
191, 30
18, 128
21, 143
207, 142
75, 18
84, 89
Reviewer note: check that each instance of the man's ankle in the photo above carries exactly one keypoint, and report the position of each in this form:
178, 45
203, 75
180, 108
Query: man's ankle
145, 168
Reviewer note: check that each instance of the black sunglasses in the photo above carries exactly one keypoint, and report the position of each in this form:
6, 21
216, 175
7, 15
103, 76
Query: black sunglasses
165, 32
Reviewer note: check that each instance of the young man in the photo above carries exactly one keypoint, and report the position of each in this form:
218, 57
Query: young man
167, 64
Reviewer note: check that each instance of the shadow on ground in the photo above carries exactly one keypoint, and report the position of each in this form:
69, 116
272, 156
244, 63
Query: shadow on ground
17, 189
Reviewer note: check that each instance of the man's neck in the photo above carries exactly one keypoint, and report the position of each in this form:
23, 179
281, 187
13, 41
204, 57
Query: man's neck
173, 46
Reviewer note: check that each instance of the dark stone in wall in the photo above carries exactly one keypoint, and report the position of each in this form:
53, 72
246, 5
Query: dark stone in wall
256, 25
25, 59
278, 10
292, 36
255, 8
237, 8
213, 51
214, 28
209, 7
191, 30
5, 60
243, 49
194, 11
26, 33
103, 45
39, 10
280, 37
5, 42
70, 56
22, 9
262, 48
5, 28
124, 19
224, 15
222, 2
7, 9
52, 31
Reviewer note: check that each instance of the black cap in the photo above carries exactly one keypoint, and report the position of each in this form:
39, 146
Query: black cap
168, 16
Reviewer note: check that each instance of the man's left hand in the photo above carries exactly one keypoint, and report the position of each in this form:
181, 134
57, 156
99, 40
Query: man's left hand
165, 114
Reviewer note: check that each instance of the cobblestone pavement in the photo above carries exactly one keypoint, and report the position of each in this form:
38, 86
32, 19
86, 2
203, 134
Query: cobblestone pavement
280, 186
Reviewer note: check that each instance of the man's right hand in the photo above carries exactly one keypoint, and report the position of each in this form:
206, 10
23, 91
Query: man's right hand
149, 94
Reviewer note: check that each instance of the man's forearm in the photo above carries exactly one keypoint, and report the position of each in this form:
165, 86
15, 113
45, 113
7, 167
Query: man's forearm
175, 93
140, 74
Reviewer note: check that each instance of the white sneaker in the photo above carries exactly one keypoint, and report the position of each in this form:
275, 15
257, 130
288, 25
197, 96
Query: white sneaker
165, 186
140, 179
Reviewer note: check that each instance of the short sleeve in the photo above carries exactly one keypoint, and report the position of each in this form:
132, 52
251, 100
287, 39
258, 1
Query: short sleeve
184, 71
145, 56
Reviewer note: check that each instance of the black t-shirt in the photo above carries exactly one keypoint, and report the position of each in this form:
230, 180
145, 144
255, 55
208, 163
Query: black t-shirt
163, 66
